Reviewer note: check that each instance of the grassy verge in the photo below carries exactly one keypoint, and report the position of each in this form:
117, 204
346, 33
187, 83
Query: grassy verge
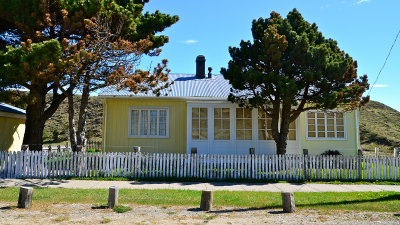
364, 201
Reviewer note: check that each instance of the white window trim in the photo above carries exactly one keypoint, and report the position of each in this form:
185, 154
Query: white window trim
327, 138
148, 108
191, 124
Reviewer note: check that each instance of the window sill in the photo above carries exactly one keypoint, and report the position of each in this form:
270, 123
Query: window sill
157, 137
326, 139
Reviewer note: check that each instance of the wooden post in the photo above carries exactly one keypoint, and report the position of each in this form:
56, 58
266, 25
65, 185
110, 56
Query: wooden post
136, 149
376, 151
359, 164
25, 197
395, 152
288, 204
206, 200
252, 151
305, 164
112, 197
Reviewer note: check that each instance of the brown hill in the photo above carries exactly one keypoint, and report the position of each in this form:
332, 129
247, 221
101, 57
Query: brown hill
379, 127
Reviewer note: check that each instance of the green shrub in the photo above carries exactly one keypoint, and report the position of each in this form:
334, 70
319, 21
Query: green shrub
93, 150
55, 134
331, 152
122, 209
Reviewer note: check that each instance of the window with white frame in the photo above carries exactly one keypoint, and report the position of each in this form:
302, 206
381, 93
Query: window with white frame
221, 124
199, 123
243, 124
265, 130
149, 122
325, 125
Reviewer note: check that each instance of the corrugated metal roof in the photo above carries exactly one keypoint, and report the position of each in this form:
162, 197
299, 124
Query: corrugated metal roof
11, 109
185, 85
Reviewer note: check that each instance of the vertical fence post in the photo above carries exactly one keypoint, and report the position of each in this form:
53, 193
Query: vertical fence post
395, 152
376, 152
206, 200
25, 197
112, 197
288, 203
305, 164
359, 164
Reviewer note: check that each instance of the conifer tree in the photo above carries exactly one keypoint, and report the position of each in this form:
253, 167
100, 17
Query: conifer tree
289, 68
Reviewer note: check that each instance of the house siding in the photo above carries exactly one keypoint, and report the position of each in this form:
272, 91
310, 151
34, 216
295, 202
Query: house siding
11, 133
347, 146
117, 129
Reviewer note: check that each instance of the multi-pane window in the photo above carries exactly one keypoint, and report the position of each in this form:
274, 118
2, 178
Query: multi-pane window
221, 124
325, 125
264, 126
199, 123
149, 122
243, 124
292, 131
265, 130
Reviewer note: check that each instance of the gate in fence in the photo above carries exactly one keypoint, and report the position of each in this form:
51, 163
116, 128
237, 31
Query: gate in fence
31, 164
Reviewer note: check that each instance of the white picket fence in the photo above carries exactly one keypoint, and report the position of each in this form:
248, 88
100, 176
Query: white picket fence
31, 164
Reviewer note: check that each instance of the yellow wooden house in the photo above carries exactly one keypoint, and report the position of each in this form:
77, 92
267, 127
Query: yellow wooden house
195, 113
12, 127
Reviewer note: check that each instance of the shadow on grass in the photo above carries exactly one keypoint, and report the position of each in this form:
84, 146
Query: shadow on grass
349, 202
7, 208
99, 207
234, 210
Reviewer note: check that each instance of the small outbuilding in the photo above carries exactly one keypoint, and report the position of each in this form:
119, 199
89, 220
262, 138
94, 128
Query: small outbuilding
12, 127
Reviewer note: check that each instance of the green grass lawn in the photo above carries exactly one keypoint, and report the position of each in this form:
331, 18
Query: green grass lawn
361, 201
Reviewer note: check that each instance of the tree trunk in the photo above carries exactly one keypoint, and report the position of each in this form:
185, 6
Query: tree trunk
280, 126
81, 132
71, 121
37, 114
34, 125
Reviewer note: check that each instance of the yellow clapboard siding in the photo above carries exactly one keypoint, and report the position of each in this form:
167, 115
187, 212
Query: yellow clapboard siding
118, 126
346, 147
11, 133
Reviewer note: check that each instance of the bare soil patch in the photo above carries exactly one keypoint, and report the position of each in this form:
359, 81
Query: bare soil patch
89, 214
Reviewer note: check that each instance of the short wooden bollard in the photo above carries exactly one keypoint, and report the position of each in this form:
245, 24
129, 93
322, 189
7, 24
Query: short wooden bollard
25, 197
206, 200
112, 197
288, 202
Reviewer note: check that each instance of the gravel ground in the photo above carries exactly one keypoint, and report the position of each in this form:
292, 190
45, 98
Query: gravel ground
85, 214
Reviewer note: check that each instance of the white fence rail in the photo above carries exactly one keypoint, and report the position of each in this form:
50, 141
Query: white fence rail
31, 164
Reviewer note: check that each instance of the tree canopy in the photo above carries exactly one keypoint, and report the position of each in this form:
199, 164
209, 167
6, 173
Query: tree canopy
56, 48
289, 68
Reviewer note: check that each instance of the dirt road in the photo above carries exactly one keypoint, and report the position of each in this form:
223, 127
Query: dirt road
87, 214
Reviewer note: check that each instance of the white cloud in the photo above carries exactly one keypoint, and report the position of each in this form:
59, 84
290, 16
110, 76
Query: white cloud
379, 85
190, 42
362, 1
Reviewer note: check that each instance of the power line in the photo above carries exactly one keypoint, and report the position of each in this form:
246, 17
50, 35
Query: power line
387, 57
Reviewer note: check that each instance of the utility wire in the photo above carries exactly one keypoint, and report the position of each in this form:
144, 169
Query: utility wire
380, 71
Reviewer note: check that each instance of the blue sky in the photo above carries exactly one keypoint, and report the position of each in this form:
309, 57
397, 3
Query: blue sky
363, 28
